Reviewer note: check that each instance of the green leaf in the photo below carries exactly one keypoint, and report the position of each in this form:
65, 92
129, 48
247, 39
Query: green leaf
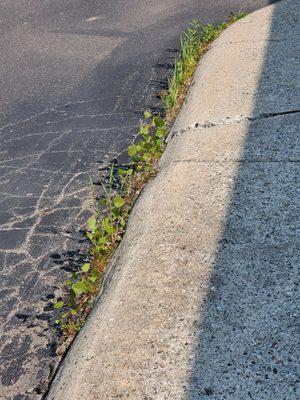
68, 282
107, 226
132, 150
57, 321
94, 275
73, 311
109, 229
160, 132
123, 222
144, 130
89, 236
85, 267
58, 304
72, 301
105, 221
79, 288
148, 146
122, 172
159, 122
147, 114
92, 223
116, 213
102, 240
119, 201
147, 156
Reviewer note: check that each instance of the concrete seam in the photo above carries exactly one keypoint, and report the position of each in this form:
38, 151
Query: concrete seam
234, 161
231, 121
224, 44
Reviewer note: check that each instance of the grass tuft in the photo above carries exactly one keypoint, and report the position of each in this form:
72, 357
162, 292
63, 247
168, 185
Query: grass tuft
193, 44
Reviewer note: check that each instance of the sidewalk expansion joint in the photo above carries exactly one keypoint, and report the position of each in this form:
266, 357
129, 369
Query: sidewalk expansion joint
242, 161
263, 41
232, 121
275, 114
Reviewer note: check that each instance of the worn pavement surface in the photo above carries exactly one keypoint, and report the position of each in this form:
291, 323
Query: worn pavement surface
75, 79
202, 297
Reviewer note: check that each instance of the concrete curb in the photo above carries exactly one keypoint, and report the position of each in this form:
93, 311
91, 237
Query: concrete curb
192, 304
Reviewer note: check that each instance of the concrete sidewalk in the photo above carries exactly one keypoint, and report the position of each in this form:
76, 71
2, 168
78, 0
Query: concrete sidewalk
202, 296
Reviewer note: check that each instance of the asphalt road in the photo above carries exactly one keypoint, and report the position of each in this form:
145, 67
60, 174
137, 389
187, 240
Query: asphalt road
75, 78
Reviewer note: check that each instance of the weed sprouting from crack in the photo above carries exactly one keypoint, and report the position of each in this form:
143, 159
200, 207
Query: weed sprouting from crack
105, 229
121, 186
194, 43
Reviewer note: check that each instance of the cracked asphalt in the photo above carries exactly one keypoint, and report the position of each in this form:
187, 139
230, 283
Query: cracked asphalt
76, 77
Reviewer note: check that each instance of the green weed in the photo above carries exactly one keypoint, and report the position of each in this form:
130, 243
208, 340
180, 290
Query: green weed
193, 43
123, 185
105, 229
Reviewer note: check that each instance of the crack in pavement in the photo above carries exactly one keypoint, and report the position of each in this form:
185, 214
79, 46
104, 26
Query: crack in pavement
45, 202
231, 121
60, 125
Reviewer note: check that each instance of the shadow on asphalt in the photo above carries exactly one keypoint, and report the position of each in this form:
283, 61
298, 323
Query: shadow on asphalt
247, 341
26, 348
